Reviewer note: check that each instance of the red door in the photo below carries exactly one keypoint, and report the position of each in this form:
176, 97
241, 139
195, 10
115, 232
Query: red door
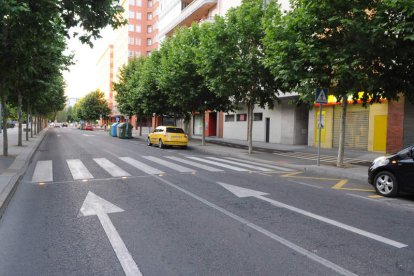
212, 124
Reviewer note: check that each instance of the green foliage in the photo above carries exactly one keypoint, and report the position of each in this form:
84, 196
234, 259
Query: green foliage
345, 46
179, 76
231, 53
90, 107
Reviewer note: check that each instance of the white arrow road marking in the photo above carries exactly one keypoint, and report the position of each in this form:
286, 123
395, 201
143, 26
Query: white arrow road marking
97, 206
243, 192
328, 264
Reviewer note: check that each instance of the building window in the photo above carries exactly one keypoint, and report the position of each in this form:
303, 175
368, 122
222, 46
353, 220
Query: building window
138, 28
257, 116
139, 15
131, 41
149, 16
131, 14
149, 3
139, 3
132, 2
241, 117
229, 118
138, 41
149, 41
131, 53
149, 29
130, 28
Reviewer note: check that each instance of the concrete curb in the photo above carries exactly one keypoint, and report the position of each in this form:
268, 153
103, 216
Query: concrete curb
11, 177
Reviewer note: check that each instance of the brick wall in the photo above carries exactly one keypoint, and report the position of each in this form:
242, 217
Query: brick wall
395, 126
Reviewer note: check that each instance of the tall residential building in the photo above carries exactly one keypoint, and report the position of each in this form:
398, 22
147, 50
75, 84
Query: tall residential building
137, 38
177, 13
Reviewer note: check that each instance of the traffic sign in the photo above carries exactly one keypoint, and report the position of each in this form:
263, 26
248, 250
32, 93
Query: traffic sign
321, 96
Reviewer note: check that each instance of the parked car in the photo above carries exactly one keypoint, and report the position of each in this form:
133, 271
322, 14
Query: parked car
57, 125
168, 136
64, 124
10, 124
88, 127
393, 174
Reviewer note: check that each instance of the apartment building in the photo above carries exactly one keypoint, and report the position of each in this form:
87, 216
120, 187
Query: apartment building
137, 38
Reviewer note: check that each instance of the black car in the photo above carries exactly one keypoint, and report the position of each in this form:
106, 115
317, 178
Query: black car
394, 173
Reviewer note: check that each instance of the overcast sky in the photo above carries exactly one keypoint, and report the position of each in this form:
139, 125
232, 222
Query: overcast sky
81, 79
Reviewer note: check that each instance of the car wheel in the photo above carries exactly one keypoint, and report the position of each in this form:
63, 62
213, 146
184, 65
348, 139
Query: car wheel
184, 147
386, 184
161, 144
148, 142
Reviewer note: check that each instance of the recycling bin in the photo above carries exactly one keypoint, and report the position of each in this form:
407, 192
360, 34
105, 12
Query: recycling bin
113, 129
124, 130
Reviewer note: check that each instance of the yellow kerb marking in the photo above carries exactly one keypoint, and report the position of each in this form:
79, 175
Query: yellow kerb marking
375, 196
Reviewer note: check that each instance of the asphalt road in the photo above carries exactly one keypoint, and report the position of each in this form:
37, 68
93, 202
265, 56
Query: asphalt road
84, 208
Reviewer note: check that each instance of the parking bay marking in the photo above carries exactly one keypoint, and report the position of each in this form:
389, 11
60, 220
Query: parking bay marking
243, 192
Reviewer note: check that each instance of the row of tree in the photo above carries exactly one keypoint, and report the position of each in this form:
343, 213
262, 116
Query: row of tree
257, 51
33, 36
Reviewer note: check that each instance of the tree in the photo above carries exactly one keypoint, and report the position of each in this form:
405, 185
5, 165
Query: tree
230, 58
92, 106
179, 77
341, 45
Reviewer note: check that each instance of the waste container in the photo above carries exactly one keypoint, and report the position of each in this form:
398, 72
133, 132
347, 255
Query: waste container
113, 129
124, 130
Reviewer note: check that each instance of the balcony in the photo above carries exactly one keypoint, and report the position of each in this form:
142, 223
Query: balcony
193, 12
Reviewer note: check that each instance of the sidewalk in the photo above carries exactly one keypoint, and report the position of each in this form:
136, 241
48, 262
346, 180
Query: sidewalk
12, 167
235, 148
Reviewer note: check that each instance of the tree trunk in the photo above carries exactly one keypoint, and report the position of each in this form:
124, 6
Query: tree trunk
140, 126
340, 160
203, 136
27, 121
31, 123
5, 115
20, 117
250, 108
34, 124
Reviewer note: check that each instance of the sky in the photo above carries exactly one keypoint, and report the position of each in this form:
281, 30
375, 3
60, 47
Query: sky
81, 77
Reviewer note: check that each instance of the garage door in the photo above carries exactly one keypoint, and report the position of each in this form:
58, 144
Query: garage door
356, 130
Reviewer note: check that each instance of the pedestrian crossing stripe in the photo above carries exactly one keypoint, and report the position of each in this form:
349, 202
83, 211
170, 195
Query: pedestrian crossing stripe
43, 171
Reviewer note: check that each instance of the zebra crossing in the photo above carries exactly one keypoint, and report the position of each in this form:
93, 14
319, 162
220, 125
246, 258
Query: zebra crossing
313, 156
150, 165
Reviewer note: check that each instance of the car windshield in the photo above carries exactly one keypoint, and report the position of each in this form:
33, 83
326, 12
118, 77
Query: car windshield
405, 152
175, 130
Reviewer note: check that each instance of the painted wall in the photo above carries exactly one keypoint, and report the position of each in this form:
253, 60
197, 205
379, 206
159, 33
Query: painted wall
327, 132
374, 111
288, 125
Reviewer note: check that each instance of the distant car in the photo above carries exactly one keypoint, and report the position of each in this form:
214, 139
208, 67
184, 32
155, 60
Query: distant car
64, 124
393, 174
57, 125
168, 136
88, 127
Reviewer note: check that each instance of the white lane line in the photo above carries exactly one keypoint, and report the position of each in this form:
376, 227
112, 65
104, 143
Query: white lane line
219, 164
262, 165
363, 197
169, 164
335, 223
43, 171
194, 164
241, 164
110, 167
78, 169
140, 166
308, 254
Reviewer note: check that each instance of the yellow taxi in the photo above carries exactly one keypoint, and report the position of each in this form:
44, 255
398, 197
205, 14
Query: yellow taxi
167, 136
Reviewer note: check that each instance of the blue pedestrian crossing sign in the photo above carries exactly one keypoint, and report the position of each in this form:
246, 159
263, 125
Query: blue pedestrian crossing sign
321, 96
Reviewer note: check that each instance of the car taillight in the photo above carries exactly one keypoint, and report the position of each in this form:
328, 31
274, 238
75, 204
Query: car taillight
185, 135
